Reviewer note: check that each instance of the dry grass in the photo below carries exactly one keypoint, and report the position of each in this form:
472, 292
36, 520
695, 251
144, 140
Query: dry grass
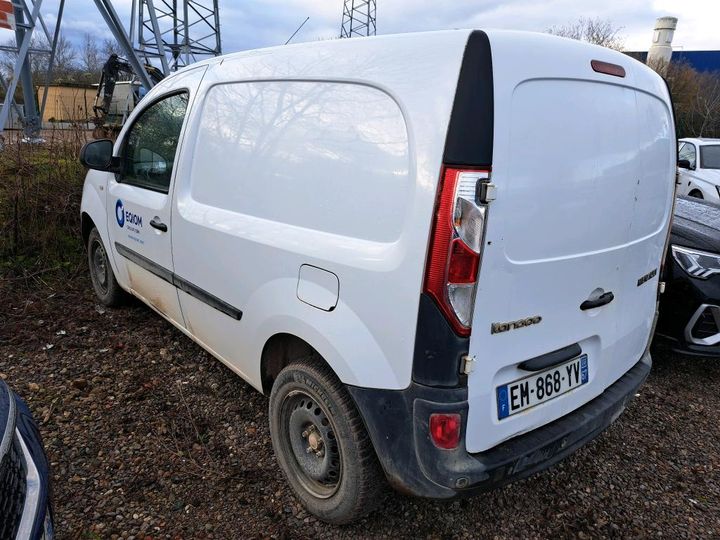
40, 191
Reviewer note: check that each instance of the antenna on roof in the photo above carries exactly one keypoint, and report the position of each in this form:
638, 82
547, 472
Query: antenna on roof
298, 29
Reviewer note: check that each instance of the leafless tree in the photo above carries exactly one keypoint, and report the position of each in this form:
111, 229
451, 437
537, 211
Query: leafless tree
696, 97
592, 30
94, 55
65, 57
109, 47
64, 65
76, 65
707, 105
682, 81
91, 60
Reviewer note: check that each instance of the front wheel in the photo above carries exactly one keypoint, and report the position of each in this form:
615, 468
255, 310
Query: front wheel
321, 443
103, 279
696, 193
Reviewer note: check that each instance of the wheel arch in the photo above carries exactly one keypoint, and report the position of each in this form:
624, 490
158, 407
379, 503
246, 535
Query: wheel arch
277, 326
93, 214
279, 351
86, 225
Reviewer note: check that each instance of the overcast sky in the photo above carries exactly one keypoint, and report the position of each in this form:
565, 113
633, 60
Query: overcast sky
248, 24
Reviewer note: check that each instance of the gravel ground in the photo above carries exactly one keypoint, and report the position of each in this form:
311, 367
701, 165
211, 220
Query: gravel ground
149, 436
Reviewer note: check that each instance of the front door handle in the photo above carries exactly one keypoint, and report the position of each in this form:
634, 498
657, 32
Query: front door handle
601, 300
157, 224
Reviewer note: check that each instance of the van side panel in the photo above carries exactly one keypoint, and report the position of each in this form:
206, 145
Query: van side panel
320, 156
290, 174
312, 155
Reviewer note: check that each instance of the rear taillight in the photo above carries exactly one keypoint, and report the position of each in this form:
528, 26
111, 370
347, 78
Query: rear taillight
455, 246
445, 430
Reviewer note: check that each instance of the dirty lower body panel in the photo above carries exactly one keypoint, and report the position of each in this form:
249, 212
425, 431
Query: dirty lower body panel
398, 424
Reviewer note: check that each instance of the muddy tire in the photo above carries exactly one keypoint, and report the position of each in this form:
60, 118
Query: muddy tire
103, 279
321, 443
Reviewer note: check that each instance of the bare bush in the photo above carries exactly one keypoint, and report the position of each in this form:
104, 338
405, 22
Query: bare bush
696, 97
592, 30
40, 196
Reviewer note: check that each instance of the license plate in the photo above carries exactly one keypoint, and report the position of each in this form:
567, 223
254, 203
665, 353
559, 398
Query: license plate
530, 391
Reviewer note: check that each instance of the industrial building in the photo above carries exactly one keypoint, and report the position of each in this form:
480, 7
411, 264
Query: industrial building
703, 61
71, 103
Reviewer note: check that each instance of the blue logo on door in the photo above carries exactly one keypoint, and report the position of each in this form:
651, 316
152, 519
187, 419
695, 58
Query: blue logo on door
120, 213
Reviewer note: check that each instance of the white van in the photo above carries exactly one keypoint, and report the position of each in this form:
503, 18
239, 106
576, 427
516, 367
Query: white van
699, 168
438, 253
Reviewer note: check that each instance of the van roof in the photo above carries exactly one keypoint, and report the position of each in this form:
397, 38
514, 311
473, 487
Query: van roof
421, 70
424, 37
394, 63
700, 140
413, 54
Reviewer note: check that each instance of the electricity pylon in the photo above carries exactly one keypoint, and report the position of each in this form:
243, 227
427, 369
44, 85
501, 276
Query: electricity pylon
25, 19
358, 18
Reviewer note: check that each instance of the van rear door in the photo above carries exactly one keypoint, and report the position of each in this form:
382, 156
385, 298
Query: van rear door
584, 167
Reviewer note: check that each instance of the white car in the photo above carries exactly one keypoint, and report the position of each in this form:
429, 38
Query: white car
699, 168
437, 253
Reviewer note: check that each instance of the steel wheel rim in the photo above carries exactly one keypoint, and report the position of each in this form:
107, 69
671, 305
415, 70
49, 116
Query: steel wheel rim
309, 440
99, 266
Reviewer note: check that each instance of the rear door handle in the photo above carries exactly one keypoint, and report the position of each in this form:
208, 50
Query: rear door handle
601, 300
551, 359
157, 224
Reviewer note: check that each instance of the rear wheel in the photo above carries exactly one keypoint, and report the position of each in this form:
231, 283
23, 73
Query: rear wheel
103, 279
696, 193
321, 443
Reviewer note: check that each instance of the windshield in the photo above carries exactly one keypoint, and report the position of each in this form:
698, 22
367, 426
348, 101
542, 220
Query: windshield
710, 156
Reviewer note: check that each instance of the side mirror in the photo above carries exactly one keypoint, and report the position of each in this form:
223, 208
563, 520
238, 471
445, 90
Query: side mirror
683, 163
98, 155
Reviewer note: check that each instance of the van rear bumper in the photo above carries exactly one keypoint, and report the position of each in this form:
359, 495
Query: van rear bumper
397, 421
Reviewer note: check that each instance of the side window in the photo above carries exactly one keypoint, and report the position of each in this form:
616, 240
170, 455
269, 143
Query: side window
710, 156
150, 145
687, 151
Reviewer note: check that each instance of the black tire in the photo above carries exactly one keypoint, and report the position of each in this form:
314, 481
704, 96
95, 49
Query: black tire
696, 193
346, 482
103, 279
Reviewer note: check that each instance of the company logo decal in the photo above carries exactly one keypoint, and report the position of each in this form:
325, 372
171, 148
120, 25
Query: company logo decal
127, 219
497, 328
120, 213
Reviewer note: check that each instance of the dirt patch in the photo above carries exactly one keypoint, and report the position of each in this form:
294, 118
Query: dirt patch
148, 436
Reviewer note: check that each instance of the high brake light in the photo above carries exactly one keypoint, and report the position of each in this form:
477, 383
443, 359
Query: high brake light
607, 68
455, 246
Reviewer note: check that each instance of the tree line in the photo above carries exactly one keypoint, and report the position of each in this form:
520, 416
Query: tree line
73, 64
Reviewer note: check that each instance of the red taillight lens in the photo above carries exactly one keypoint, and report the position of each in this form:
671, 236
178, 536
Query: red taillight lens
445, 430
455, 245
463, 263
441, 236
